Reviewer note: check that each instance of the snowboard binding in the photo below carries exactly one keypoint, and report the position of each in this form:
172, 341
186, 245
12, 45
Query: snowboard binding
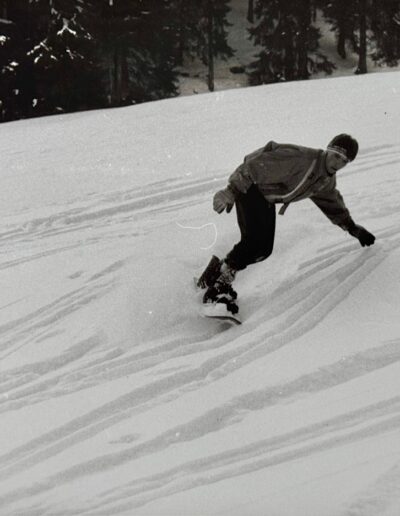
219, 299
211, 273
224, 294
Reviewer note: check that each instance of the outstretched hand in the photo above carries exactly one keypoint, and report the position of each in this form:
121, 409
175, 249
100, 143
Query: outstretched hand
364, 237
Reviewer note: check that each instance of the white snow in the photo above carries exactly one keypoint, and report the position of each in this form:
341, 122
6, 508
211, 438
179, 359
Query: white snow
66, 27
115, 396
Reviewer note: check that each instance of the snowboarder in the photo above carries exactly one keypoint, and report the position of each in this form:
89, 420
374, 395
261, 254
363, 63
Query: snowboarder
277, 173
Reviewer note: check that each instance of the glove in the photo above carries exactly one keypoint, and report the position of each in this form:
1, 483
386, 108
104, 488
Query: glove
224, 200
365, 237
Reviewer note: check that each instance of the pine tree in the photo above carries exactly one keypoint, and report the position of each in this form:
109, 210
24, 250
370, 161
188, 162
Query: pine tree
63, 59
201, 32
363, 25
250, 11
80, 54
385, 26
16, 77
138, 46
290, 41
371, 27
9, 64
213, 39
350, 21
153, 55
185, 21
342, 16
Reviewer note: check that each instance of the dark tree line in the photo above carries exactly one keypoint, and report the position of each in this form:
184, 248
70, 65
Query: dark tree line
289, 39
287, 32
68, 55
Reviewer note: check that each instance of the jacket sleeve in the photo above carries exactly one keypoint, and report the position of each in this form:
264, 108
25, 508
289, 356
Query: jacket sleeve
331, 203
240, 180
273, 160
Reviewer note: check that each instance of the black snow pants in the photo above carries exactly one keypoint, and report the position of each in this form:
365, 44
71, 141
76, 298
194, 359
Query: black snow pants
256, 218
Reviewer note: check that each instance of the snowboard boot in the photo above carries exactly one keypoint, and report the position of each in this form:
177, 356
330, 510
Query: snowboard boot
227, 274
221, 291
211, 273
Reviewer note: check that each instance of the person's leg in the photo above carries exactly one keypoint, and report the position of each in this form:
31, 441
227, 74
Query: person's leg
256, 218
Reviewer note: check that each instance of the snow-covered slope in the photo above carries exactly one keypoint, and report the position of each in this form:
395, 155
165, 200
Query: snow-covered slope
115, 396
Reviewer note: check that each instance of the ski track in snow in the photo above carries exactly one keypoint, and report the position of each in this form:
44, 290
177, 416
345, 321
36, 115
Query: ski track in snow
294, 309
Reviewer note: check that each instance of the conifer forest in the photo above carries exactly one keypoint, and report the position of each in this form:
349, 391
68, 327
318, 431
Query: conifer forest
60, 56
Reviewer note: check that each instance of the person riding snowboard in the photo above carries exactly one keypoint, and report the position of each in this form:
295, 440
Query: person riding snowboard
277, 174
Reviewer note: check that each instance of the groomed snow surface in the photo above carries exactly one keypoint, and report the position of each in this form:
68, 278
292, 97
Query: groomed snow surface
116, 397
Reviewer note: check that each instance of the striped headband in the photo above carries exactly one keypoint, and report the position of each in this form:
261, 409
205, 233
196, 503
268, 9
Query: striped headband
340, 151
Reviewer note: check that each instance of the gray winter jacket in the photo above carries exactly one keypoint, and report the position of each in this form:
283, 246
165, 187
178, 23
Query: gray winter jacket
287, 173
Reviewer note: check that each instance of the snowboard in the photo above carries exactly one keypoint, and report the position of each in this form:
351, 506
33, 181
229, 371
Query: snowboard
217, 311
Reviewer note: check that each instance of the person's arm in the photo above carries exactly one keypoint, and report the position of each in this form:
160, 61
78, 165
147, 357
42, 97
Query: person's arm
273, 159
331, 203
239, 181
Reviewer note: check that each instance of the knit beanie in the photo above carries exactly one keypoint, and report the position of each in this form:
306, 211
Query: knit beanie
345, 145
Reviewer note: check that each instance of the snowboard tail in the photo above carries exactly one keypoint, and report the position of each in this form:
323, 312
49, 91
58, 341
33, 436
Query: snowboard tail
220, 312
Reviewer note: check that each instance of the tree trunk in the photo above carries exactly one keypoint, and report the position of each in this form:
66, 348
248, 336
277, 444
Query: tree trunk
289, 62
250, 11
124, 77
341, 45
286, 30
210, 16
116, 92
4, 10
110, 80
362, 62
305, 24
342, 21
313, 11
181, 34
120, 76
